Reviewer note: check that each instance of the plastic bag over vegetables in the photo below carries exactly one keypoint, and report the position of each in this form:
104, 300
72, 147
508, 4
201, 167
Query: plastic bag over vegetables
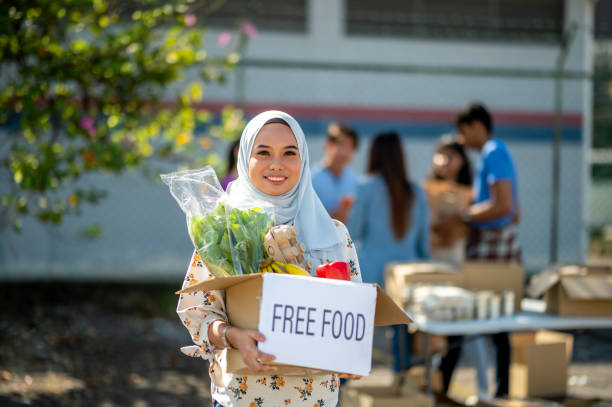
229, 240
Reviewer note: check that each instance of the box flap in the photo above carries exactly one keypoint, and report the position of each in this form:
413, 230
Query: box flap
545, 336
218, 283
583, 270
588, 288
542, 282
420, 268
242, 303
387, 311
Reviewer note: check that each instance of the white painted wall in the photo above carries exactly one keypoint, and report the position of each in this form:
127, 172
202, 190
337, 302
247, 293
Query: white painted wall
145, 234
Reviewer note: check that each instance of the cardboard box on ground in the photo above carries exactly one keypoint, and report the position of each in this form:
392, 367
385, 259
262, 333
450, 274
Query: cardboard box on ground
535, 402
471, 275
575, 290
539, 363
436, 343
312, 325
385, 391
417, 375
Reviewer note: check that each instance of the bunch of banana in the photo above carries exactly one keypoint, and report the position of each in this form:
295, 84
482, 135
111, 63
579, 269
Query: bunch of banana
271, 266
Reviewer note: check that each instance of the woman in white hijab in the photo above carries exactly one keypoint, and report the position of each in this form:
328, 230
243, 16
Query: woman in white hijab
273, 172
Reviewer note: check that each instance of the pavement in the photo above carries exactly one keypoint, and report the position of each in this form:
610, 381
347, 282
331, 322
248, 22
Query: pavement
105, 345
589, 373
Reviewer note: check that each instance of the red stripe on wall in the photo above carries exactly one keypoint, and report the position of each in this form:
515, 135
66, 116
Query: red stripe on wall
336, 112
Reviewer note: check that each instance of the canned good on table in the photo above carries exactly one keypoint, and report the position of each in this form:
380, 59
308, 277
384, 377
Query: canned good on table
482, 304
494, 306
508, 303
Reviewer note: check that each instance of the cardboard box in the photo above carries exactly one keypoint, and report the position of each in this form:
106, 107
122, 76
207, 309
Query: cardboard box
535, 402
493, 276
311, 324
446, 198
576, 402
417, 374
382, 397
436, 343
384, 380
539, 363
499, 402
575, 290
398, 276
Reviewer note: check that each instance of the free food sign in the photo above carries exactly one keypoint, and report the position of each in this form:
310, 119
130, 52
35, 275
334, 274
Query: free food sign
318, 323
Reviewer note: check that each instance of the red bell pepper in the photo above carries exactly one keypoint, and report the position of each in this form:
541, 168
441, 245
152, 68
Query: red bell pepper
338, 270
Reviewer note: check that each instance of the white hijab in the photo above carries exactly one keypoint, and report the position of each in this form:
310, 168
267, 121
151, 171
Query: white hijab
300, 206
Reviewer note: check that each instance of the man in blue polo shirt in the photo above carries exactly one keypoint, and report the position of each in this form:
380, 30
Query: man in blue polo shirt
494, 214
332, 179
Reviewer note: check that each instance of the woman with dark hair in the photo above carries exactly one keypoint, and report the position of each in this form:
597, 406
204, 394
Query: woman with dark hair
389, 222
449, 191
451, 163
452, 175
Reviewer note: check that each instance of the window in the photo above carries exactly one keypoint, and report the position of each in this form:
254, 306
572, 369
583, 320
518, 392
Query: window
474, 20
267, 15
603, 19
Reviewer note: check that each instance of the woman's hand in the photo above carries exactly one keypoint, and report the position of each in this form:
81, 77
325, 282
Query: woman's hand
349, 376
245, 340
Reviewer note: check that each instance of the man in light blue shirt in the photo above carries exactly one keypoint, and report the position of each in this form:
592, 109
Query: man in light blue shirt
334, 182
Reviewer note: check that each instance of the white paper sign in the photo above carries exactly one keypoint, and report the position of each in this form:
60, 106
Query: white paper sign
318, 323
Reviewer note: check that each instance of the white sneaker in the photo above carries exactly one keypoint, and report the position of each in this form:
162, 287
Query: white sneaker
471, 400
484, 396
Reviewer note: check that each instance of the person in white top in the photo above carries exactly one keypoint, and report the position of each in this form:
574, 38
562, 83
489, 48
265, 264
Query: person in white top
451, 164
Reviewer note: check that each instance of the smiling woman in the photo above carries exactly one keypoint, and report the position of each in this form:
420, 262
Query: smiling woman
274, 163
273, 172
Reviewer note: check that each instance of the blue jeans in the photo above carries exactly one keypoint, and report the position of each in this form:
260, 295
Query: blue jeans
402, 348
476, 350
501, 342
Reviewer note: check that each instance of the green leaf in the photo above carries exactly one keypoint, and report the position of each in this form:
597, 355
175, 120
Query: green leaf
88, 95
91, 232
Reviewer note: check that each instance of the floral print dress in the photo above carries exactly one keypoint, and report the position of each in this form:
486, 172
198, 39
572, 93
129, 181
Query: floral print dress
197, 310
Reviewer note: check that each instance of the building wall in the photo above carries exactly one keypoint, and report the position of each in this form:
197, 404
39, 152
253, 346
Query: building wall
144, 231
